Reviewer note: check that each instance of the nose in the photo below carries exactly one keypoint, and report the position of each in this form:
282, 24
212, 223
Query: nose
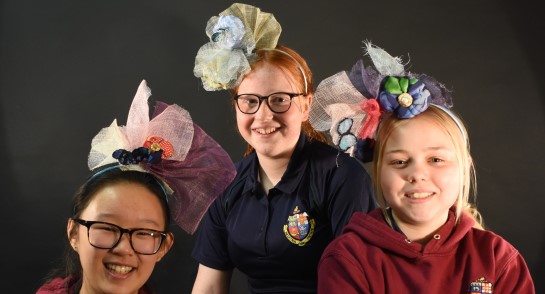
417, 172
264, 112
124, 246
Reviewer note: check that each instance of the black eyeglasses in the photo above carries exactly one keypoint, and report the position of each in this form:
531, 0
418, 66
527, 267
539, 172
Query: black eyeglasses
104, 235
278, 102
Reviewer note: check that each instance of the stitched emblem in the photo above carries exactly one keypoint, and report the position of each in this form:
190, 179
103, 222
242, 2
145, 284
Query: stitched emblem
481, 285
299, 228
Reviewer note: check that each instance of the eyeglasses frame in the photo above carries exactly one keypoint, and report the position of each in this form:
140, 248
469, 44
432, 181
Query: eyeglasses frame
266, 97
88, 225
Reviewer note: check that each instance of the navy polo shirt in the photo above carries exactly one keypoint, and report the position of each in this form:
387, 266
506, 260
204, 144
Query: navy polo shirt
276, 240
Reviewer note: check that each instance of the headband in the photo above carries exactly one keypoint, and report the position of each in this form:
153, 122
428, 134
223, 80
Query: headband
298, 66
192, 166
234, 37
351, 104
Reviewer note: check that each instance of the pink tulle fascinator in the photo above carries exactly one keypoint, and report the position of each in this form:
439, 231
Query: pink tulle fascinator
350, 104
194, 168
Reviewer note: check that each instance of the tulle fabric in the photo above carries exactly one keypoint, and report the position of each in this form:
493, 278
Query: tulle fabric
196, 173
348, 95
234, 35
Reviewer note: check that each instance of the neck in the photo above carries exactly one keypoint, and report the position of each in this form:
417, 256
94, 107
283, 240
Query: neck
271, 171
419, 232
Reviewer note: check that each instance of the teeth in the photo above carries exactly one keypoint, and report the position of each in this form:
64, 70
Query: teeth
265, 131
121, 269
419, 195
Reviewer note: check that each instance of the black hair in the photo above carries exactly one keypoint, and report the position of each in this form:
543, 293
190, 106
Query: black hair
70, 264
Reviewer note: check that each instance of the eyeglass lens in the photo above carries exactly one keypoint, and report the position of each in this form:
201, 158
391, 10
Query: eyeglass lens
277, 102
106, 236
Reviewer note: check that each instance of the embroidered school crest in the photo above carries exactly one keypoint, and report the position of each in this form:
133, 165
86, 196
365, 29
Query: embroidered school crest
300, 228
481, 285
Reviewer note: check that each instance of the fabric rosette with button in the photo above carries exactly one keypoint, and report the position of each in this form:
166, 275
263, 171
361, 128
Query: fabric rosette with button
350, 104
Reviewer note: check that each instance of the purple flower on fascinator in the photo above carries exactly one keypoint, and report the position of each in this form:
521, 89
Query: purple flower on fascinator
406, 97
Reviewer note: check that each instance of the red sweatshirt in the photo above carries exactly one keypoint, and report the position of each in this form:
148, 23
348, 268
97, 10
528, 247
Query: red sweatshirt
60, 286
71, 285
371, 257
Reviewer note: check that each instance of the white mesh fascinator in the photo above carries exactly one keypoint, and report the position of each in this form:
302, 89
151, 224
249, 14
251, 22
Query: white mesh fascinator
234, 35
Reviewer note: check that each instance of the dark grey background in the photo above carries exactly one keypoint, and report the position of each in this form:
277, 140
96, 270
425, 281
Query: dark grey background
68, 68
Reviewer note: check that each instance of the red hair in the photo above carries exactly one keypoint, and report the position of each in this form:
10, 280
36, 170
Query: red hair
293, 65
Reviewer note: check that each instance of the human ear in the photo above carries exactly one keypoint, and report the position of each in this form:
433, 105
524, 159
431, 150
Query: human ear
305, 106
165, 247
71, 232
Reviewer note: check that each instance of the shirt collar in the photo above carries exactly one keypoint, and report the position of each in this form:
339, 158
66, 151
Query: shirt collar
296, 166
293, 174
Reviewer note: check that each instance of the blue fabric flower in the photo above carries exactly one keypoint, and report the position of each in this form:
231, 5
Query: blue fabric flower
138, 155
227, 32
405, 97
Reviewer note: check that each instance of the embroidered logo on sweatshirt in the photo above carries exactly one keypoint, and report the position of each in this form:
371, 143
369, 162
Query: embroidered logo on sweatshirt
299, 228
481, 285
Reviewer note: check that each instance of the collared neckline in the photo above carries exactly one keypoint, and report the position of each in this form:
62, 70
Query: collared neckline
291, 177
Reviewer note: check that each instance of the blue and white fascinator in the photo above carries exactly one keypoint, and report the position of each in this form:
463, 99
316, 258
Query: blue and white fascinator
350, 104
234, 36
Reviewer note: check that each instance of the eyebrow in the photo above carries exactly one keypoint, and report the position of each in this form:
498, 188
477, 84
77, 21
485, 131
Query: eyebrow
109, 215
426, 149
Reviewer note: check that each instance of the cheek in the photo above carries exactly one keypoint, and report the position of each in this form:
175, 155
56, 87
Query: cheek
451, 183
147, 263
91, 260
301, 110
88, 255
389, 176
389, 180
242, 122
293, 119
80, 239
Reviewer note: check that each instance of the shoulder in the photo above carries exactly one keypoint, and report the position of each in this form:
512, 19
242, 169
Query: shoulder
242, 181
372, 222
58, 285
346, 246
244, 169
327, 157
242, 166
488, 243
319, 150
350, 242
511, 271
493, 241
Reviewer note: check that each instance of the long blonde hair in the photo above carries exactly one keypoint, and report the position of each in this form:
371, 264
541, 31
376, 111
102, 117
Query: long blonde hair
456, 131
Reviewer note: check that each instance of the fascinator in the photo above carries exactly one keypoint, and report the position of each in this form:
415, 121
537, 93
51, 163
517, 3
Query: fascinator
234, 36
192, 166
350, 104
